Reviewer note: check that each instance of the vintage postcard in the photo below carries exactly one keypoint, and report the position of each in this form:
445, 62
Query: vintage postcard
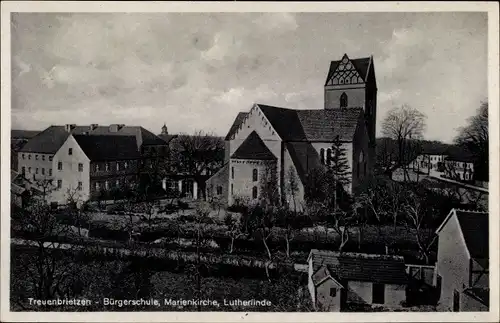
249, 161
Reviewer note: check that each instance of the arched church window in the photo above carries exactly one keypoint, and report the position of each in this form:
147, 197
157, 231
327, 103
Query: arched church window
343, 100
255, 175
328, 156
254, 192
361, 161
354, 79
322, 155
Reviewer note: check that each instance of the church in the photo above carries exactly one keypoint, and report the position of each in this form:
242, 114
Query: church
293, 142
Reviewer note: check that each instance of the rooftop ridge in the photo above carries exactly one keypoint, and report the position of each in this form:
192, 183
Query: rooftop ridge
357, 255
471, 211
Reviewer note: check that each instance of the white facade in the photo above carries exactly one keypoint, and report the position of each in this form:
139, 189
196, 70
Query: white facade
71, 170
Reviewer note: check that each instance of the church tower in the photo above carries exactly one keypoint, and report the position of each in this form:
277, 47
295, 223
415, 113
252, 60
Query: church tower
351, 83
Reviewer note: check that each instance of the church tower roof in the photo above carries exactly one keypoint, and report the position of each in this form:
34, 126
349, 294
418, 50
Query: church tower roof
361, 65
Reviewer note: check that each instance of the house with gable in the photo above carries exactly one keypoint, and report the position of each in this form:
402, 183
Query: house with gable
293, 142
462, 267
337, 279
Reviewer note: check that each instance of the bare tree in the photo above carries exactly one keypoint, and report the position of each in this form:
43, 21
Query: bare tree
269, 195
198, 155
404, 124
474, 137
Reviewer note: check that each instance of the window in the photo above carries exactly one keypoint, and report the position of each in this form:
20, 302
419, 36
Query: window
50, 158
23, 156
328, 156
255, 175
125, 165
219, 190
36, 157
36, 171
333, 292
232, 189
50, 171
29, 170
80, 167
80, 186
254, 192
456, 301
96, 167
29, 156
107, 166
117, 166
59, 183
97, 186
322, 155
23, 170
59, 165
70, 151
343, 100
378, 292
232, 172
43, 157
43, 171
106, 185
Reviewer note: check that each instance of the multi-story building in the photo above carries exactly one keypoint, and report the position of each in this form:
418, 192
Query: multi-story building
459, 166
462, 268
85, 160
18, 138
430, 160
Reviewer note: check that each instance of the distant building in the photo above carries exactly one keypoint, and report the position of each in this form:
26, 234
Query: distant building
430, 160
338, 279
88, 159
459, 166
18, 138
462, 268
291, 143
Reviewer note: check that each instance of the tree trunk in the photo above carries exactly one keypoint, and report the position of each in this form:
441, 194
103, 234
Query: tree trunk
264, 240
232, 244
360, 235
287, 238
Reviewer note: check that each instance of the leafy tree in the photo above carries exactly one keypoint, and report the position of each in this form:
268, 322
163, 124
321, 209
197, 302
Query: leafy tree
292, 186
233, 229
269, 196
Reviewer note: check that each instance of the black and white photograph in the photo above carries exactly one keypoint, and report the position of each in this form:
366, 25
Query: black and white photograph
285, 162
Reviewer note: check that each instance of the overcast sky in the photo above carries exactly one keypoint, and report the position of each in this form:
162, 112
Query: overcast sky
197, 71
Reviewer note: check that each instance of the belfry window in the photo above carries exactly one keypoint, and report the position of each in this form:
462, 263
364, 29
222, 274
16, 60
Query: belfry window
343, 100
322, 155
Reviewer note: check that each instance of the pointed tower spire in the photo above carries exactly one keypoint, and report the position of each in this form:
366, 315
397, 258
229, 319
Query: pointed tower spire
164, 129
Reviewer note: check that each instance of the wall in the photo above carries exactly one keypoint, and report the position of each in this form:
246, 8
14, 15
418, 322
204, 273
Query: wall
324, 301
294, 202
242, 183
35, 160
359, 292
348, 153
99, 174
221, 178
69, 174
361, 144
395, 295
255, 121
355, 95
452, 262
310, 284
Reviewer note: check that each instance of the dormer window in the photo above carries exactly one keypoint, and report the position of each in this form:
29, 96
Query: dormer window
343, 100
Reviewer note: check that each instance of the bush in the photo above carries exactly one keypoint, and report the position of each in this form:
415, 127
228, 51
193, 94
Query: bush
182, 205
115, 208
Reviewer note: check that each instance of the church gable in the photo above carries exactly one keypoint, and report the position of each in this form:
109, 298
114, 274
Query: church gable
253, 148
347, 71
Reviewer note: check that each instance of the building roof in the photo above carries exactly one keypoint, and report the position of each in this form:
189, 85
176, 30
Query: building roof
475, 229
304, 157
237, 121
326, 125
386, 269
166, 137
313, 125
285, 121
51, 139
105, 147
361, 64
253, 148
480, 294
23, 134
461, 156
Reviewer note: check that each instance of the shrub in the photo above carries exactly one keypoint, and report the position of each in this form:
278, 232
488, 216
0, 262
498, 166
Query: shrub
182, 205
115, 208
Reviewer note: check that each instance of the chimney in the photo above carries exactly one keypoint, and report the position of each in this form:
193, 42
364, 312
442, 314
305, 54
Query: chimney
70, 127
93, 126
